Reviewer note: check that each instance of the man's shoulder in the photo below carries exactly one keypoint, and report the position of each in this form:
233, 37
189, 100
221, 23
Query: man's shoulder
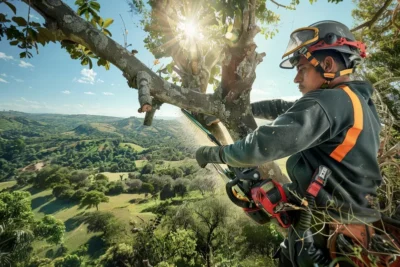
329, 98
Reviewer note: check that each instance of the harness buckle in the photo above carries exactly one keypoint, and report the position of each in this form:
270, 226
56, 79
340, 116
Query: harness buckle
319, 180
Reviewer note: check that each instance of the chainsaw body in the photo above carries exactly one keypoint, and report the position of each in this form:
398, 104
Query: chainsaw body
261, 199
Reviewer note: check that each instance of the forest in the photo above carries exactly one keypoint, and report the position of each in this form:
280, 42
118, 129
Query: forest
58, 175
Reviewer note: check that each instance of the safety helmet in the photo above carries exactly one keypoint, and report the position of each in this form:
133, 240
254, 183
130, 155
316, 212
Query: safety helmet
324, 35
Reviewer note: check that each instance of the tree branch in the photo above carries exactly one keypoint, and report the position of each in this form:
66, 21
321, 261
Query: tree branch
371, 22
280, 5
391, 152
70, 26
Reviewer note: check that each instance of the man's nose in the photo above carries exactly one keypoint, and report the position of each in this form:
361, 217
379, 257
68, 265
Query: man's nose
297, 78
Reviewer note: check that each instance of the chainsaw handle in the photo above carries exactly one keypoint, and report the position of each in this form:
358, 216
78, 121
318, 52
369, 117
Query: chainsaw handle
236, 201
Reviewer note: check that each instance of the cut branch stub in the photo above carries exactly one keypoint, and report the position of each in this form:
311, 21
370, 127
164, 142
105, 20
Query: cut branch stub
145, 100
148, 119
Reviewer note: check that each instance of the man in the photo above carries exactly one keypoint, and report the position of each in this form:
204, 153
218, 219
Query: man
333, 124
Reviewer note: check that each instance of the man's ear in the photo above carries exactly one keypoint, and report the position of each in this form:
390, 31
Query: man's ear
329, 64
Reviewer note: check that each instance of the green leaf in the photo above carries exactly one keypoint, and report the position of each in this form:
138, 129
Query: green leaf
32, 33
22, 55
170, 66
107, 23
95, 5
81, 11
103, 62
15, 42
34, 24
84, 61
47, 34
12, 7
93, 22
107, 32
79, 2
20, 21
87, 16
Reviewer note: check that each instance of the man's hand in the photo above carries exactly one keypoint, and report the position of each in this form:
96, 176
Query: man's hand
209, 154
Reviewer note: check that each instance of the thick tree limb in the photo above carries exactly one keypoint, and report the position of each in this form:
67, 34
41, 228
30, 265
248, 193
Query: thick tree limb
371, 22
71, 27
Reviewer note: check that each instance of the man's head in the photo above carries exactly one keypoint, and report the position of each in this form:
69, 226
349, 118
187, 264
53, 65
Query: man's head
309, 78
324, 54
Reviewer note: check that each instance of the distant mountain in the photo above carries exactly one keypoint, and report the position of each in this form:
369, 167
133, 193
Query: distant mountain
13, 122
90, 126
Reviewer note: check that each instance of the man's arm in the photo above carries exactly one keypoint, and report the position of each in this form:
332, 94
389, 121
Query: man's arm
270, 109
303, 126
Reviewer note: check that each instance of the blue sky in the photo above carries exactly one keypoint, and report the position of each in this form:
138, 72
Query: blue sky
51, 82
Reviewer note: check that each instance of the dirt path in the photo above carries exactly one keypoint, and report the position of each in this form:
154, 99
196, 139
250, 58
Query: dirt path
34, 167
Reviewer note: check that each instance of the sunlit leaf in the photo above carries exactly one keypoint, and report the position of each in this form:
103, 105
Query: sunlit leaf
95, 5
107, 32
107, 22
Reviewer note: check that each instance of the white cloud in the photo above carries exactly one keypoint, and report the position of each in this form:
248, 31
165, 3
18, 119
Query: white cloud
5, 57
112, 84
88, 76
30, 87
24, 64
100, 81
89, 93
33, 16
19, 80
4, 75
23, 99
107, 93
66, 92
3, 81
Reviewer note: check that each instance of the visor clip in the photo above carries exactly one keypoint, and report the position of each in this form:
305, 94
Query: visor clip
303, 50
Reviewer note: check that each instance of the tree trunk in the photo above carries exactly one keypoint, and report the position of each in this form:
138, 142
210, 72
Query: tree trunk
97, 207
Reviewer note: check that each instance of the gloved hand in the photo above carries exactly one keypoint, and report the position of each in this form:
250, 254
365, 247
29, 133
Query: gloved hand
209, 154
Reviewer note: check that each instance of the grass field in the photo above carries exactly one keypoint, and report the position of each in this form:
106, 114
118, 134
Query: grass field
114, 176
76, 233
8, 184
133, 146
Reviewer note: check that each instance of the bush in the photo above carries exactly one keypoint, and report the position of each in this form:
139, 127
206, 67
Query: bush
147, 169
106, 222
78, 195
59, 189
68, 261
134, 185
67, 194
167, 192
39, 262
117, 254
147, 188
78, 176
101, 177
115, 188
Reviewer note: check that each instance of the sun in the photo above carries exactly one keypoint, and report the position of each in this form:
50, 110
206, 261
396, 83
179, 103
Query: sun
189, 29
